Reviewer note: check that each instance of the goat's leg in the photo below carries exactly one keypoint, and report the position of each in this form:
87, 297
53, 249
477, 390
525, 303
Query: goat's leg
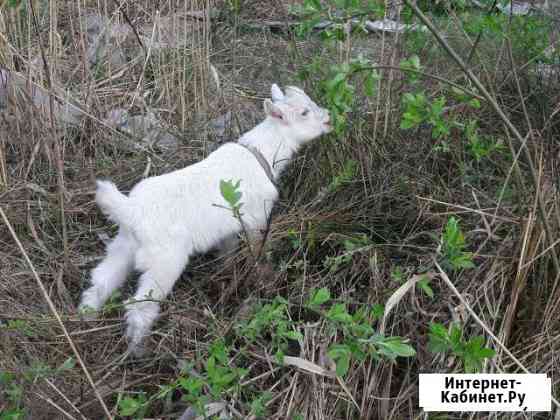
164, 267
111, 273
228, 245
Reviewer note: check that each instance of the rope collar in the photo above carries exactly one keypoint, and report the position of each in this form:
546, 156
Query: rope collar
262, 161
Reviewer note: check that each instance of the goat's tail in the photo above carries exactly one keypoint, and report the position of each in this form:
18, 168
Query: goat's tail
113, 203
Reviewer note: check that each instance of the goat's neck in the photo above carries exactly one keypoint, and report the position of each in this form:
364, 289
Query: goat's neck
275, 146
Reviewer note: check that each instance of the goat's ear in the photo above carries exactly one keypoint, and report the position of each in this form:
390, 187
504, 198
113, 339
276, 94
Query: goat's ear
294, 90
276, 93
273, 110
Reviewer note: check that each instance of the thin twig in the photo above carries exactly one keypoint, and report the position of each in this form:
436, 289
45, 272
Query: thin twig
431, 76
54, 312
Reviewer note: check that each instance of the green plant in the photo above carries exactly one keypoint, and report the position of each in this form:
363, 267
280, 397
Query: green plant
397, 275
258, 405
218, 379
359, 339
272, 319
12, 3
134, 407
346, 175
424, 285
529, 35
13, 395
235, 5
453, 245
411, 67
230, 192
295, 239
471, 352
338, 88
21, 325
479, 146
339, 13
351, 247
418, 109
13, 389
339, 82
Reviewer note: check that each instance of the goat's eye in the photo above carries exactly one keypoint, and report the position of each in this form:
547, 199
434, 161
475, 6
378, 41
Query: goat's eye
305, 112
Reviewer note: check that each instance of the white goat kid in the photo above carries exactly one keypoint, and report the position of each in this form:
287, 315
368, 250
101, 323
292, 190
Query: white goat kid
167, 219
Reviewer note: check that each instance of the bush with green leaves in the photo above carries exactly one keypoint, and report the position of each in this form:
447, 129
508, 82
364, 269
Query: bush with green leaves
419, 110
358, 338
338, 14
339, 81
480, 146
453, 247
12, 386
272, 321
338, 88
529, 35
472, 352
218, 380
11, 391
231, 193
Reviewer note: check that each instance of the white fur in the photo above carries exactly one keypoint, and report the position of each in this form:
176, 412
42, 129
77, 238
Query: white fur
167, 219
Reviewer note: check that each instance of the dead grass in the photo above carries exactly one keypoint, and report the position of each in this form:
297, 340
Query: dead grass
402, 195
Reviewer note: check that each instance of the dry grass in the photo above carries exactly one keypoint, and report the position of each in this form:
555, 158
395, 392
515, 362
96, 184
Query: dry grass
402, 195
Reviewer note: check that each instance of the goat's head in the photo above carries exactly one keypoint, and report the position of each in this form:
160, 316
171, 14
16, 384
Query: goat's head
298, 116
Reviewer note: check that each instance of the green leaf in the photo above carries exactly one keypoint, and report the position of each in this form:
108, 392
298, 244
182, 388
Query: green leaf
340, 353
224, 378
486, 353
279, 356
455, 335
320, 296
211, 365
294, 335
424, 284
219, 350
369, 83
68, 364
191, 384
129, 406
315, 4
415, 62
229, 191
474, 103
13, 414
395, 346
377, 311
339, 313
6, 378
361, 330
342, 365
438, 338
408, 121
